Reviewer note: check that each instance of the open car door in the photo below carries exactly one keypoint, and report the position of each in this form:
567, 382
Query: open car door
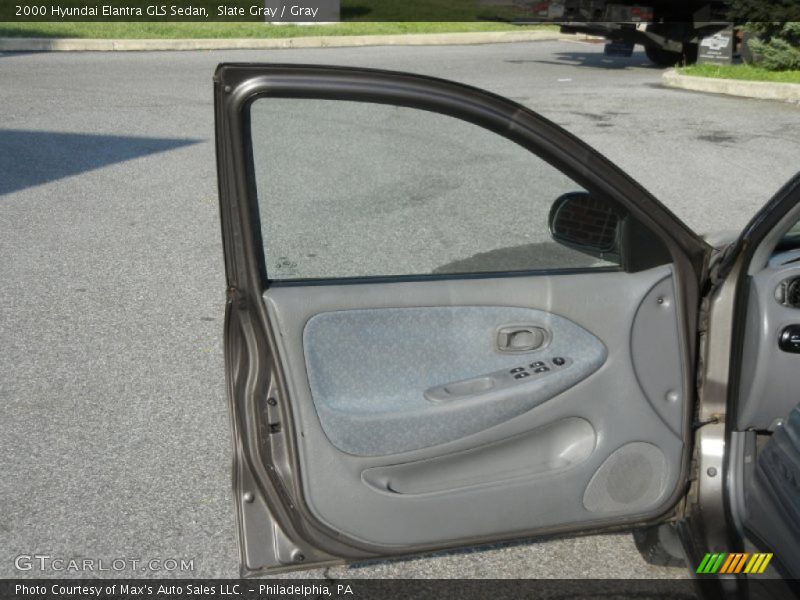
413, 363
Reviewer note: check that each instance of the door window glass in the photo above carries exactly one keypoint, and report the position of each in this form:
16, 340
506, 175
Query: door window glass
352, 189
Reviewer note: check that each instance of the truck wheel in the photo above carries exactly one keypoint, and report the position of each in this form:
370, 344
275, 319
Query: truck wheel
661, 57
690, 53
665, 58
659, 546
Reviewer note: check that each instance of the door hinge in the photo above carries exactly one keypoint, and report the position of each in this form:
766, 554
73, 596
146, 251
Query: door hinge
699, 424
717, 270
720, 265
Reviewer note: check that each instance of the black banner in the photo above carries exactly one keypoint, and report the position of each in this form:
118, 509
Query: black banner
356, 589
316, 11
285, 11
384, 589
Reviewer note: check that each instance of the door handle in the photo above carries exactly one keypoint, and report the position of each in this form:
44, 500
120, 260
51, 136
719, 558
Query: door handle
520, 338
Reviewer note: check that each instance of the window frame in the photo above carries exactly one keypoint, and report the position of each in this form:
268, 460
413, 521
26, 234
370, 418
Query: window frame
378, 277
521, 126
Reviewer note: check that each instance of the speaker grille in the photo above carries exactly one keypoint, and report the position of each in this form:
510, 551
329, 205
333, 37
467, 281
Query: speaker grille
631, 478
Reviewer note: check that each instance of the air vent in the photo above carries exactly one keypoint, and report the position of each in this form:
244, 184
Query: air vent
788, 292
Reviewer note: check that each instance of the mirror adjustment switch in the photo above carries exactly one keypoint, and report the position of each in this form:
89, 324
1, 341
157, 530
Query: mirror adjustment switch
790, 339
558, 361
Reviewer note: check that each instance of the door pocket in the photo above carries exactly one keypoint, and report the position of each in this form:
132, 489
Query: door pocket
548, 449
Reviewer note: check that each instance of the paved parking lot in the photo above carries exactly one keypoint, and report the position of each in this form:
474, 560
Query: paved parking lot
114, 433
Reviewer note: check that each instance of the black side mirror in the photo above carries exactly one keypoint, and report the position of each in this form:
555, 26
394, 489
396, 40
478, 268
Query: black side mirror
590, 225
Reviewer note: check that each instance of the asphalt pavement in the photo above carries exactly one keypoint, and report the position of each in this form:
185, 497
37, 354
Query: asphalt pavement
114, 434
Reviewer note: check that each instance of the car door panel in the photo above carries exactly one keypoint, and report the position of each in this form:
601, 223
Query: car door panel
422, 376
374, 408
388, 490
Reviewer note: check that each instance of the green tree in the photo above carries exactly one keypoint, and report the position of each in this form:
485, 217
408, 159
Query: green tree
777, 47
775, 25
764, 15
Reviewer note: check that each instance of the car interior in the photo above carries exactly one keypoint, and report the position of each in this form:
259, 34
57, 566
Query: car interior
765, 482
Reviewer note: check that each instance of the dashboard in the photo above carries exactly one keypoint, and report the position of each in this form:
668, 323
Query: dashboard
771, 358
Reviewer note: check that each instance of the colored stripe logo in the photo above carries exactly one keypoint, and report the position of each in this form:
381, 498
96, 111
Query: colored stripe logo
734, 562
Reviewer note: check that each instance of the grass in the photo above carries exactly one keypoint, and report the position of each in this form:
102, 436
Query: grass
746, 72
169, 30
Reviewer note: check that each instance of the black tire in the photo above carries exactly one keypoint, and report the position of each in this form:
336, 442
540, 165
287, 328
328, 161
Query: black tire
661, 57
690, 53
659, 546
665, 58
674, 30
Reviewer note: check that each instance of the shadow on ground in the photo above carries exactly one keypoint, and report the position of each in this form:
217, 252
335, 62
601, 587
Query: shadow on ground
29, 158
595, 60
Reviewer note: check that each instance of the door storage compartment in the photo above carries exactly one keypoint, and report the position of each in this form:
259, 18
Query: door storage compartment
550, 448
